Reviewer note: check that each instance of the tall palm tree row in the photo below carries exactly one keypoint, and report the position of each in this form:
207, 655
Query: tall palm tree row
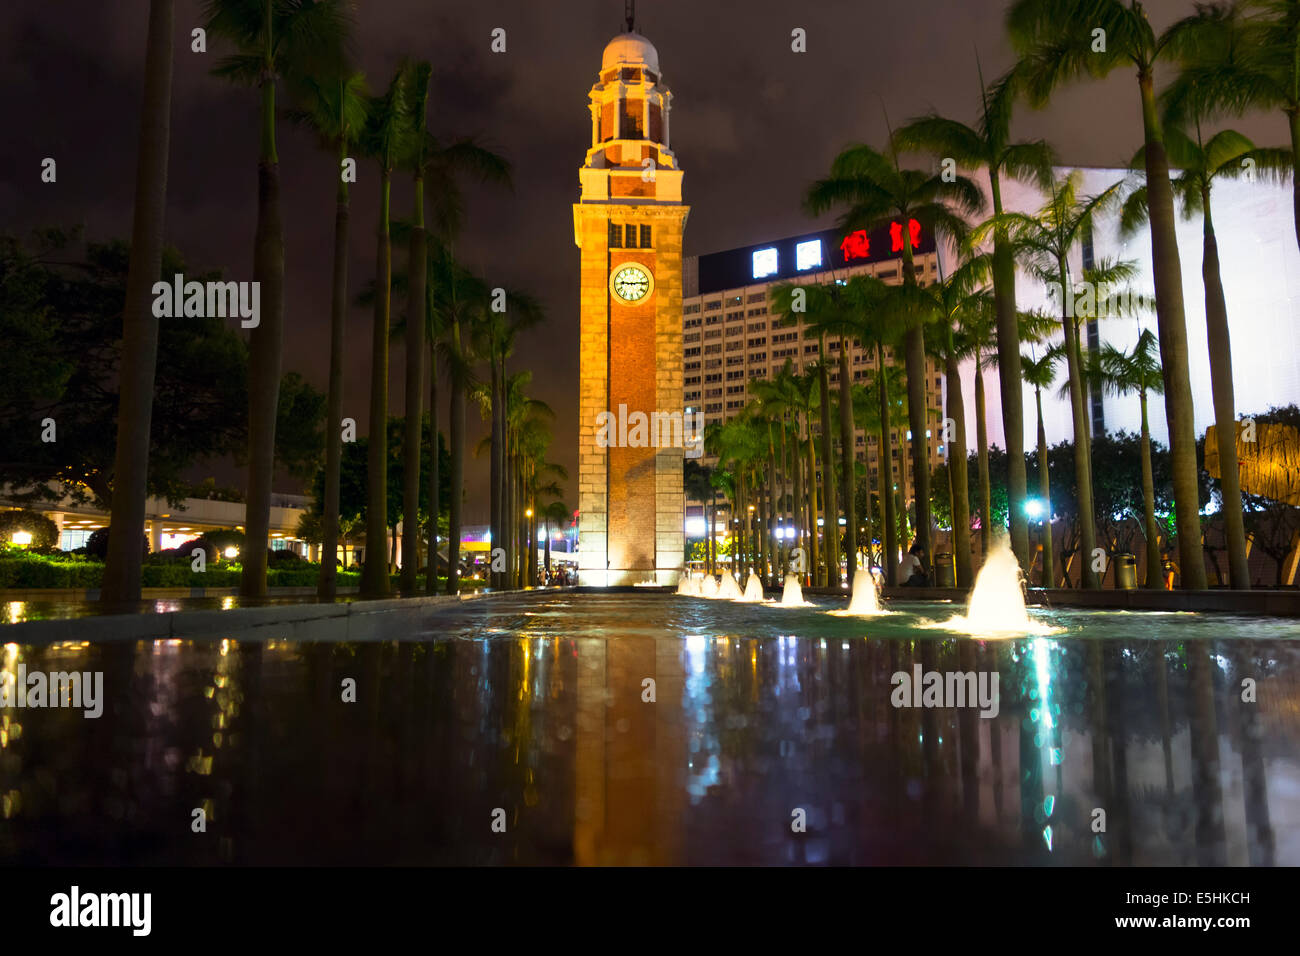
335, 109
873, 189
122, 573
273, 38
988, 145
1056, 41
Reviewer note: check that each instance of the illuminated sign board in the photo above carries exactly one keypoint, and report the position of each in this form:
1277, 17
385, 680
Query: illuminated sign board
799, 257
808, 255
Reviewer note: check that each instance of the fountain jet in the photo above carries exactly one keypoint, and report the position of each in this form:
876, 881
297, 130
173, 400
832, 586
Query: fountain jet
728, 589
709, 587
753, 590
865, 601
996, 607
792, 595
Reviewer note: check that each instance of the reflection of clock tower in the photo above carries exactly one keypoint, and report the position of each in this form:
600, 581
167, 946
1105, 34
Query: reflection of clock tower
628, 224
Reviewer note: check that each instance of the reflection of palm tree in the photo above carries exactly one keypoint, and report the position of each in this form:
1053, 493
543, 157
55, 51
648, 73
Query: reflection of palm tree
122, 574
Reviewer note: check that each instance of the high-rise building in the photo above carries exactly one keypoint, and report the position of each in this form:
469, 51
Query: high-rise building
628, 224
730, 337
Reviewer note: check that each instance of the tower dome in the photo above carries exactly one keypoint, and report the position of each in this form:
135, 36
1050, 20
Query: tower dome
630, 49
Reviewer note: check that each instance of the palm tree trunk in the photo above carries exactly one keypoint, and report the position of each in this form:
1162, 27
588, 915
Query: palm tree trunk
496, 477
831, 511
456, 438
1045, 492
848, 456
265, 346
1225, 413
713, 532
431, 574
1082, 463
960, 479
327, 584
122, 573
374, 578
418, 269
812, 504
1168, 274
982, 453
886, 473
771, 501
1009, 382
917, 412
1154, 564
797, 503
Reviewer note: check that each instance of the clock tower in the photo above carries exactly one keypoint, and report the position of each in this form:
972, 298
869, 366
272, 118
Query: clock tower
628, 225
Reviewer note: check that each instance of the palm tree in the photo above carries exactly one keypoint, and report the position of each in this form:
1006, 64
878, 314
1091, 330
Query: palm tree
335, 109
385, 139
274, 38
874, 189
988, 145
1056, 40
1138, 371
1043, 242
961, 319
416, 100
122, 573
1226, 155
1040, 372
1236, 57
696, 479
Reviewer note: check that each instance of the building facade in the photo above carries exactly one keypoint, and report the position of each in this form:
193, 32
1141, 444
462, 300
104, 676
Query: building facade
628, 226
731, 338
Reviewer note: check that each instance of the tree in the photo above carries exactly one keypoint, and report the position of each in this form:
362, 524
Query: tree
874, 189
1040, 372
1227, 154
416, 101
122, 572
988, 145
1042, 241
335, 109
385, 140
1138, 371
1059, 40
696, 479
273, 37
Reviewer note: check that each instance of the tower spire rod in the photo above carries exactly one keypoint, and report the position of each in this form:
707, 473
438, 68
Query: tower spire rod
629, 12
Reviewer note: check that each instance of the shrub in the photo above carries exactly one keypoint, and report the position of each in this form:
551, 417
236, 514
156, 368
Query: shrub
284, 559
97, 544
44, 532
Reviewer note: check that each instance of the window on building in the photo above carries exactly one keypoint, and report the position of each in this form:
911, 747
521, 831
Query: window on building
712, 306
615, 235
645, 237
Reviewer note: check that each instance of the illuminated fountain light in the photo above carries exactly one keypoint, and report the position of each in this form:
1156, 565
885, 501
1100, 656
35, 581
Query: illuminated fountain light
792, 594
728, 589
709, 586
689, 585
753, 590
997, 604
865, 601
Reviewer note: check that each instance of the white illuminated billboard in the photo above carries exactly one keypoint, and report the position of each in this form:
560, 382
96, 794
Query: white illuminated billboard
808, 255
764, 262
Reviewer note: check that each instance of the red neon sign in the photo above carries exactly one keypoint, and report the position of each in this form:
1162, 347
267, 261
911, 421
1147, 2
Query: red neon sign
896, 234
856, 245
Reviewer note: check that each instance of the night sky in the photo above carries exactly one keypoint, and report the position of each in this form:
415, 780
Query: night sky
752, 124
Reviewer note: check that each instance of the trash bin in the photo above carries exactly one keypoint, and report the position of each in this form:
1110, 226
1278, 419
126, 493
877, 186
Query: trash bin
1126, 572
944, 575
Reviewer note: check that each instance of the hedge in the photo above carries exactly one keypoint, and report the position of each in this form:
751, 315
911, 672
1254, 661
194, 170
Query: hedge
73, 571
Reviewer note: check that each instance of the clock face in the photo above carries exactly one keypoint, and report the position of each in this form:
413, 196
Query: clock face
631, 283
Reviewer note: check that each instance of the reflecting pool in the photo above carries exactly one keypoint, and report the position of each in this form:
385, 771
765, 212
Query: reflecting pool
554, 728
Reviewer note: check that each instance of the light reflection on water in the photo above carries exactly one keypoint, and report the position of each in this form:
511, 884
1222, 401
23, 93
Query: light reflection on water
539, 705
